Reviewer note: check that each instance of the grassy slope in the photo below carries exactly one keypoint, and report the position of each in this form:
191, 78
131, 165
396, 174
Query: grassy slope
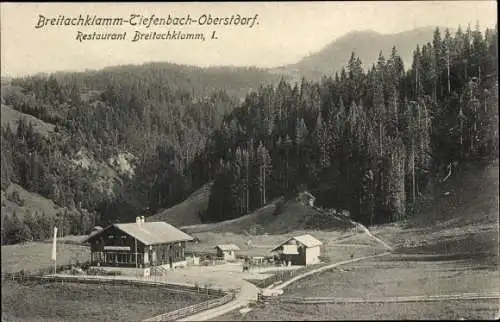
452, 310
277, 217
291, 216
11, 117
187, 212
88, 302
31, 202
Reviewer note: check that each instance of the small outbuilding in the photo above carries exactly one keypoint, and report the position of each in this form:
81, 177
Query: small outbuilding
299, 250
227, 251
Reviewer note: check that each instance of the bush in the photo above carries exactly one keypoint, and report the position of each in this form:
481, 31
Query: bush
103, 272
96, 271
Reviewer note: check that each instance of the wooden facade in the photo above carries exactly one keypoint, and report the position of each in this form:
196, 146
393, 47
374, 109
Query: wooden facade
299, 250
116, 248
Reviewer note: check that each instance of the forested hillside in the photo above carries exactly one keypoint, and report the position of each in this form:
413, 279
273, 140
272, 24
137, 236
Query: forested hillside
136, 139
124, 138
367, 141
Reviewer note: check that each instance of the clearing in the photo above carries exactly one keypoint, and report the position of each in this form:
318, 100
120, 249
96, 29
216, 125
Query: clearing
89, 302
188, 211
27, 202
261, 245
277, 217
11, 118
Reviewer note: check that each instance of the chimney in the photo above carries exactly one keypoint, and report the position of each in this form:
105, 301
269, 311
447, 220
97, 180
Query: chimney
138, 220
142, 219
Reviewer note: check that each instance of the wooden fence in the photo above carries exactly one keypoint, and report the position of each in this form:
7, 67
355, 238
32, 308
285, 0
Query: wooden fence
180, 288
43, 271
196, 308
283, 275
399, 299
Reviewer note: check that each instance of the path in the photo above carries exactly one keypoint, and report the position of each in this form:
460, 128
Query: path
362, 227
248, 293
368, 232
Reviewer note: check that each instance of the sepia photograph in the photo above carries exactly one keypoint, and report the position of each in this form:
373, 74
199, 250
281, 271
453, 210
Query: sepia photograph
249, 161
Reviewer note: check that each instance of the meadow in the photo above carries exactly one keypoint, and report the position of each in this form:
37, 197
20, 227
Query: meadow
453, 310
89, 302
34, 256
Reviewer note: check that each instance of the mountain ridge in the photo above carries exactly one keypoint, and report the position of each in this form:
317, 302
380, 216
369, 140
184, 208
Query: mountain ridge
333, 56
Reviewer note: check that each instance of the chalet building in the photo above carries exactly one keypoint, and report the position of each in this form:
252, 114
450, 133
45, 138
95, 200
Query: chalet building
138, 245
227, 251
299, 250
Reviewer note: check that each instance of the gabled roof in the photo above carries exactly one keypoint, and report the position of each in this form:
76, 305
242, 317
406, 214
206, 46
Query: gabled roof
148, 233
306, 240
227, 247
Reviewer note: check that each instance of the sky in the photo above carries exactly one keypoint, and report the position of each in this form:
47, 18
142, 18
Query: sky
282, 33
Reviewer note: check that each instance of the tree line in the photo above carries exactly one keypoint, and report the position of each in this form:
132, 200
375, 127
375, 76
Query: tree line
369, 142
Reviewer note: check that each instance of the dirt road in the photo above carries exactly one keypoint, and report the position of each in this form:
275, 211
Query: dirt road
248, 293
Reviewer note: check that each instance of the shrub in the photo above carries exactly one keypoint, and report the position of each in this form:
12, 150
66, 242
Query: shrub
96, 271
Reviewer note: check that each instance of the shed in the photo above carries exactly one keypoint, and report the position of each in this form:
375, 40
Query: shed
227, 251
299, 250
